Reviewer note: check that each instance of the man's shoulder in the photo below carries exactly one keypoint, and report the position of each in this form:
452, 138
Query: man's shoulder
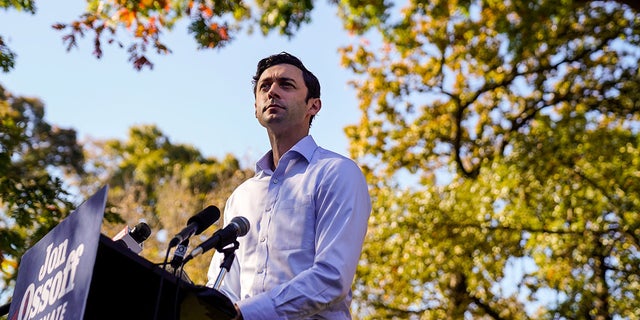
249, 185
337, 163
330, 155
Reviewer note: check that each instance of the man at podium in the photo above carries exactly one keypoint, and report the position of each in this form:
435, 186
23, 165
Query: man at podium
308, 208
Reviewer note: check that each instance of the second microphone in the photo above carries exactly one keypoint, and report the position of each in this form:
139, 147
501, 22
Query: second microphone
238, 227
196, 224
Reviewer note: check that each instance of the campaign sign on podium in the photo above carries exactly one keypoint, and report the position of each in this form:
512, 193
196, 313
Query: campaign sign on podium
54, 275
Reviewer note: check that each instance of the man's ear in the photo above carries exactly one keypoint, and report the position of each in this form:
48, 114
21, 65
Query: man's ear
316, 105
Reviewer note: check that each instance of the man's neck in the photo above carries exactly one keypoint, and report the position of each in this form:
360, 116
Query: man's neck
281, 144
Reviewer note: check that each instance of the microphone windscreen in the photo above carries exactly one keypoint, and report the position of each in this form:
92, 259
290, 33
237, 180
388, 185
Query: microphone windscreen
205, 218
140, 232
243, 225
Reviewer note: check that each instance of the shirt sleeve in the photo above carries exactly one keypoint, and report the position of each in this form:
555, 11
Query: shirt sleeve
343, 208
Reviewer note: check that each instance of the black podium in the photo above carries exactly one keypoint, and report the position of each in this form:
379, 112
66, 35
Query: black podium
127, 286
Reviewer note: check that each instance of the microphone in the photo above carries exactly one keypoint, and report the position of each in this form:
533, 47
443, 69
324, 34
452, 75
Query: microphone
238, 227
140, 232
132, 238
179, 253
196, 224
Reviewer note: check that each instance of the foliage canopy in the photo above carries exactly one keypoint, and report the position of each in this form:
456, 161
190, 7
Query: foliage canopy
34, 157
164, 184
530, 111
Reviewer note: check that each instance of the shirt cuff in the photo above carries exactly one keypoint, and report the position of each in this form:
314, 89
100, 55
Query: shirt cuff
258, 307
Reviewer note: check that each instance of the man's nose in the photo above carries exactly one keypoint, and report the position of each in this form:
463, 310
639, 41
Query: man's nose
274, 91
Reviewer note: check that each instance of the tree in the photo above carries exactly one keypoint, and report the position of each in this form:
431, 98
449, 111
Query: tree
213, 24
151, 179
34, 157
497, 135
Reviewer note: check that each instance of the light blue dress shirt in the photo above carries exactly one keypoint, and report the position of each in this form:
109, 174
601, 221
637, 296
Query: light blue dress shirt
308, 222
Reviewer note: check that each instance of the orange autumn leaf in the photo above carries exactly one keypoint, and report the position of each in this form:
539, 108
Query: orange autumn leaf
152, 29
206, 11
127, 17
145, 4
151, 26
223, 33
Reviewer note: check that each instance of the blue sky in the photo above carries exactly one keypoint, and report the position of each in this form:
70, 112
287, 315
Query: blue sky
197, 97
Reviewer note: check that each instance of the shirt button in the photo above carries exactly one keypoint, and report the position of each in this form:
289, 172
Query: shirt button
262, 239
260, 271
275, 180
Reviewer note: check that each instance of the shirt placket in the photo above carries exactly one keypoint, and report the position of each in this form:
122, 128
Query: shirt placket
260, 280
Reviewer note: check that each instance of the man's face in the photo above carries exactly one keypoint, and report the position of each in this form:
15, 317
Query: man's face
280, 99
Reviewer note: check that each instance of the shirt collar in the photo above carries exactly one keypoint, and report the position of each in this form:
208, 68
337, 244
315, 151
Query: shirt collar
305, 147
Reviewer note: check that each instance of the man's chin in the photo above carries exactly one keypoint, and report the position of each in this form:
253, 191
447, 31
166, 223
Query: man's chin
271, 119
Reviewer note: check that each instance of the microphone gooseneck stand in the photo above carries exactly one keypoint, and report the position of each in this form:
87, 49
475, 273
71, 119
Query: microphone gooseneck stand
229, 256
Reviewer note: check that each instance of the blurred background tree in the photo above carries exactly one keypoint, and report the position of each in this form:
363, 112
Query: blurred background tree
163, 184
516, 125
45, 173
34, 157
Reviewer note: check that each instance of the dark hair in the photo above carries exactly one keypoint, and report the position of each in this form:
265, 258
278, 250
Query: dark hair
310, 80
